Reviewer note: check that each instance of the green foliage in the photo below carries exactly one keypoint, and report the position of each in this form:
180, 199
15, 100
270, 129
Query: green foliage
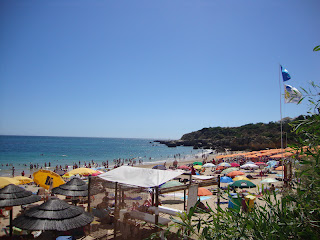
293, 214
317, 48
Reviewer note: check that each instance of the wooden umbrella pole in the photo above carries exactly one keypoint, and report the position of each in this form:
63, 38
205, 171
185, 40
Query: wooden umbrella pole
11, 214
115, 211
157, 205
89, 194
218, 193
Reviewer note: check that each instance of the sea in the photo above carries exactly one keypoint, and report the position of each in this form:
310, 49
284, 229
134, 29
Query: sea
22, 151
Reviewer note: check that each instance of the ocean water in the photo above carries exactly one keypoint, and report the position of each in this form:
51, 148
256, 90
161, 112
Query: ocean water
21, 151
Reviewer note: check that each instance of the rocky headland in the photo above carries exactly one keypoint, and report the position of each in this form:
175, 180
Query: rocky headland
249, 137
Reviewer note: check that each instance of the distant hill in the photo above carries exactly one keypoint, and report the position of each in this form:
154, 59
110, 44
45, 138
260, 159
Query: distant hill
251, 136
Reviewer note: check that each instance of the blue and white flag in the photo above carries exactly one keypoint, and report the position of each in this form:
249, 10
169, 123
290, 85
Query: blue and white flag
285, 74
291, 94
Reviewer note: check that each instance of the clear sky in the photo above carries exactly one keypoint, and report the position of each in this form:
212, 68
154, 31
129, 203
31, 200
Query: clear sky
151, 69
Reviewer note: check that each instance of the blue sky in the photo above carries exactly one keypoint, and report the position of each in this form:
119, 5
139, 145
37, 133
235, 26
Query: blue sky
151, 69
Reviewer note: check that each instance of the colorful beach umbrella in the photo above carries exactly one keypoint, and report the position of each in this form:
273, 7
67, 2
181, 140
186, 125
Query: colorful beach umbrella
207, 165
234, 164
269, 180
23, 179
81, 171
242, 184
235, 173
203, 192
184, 167
226, 179
197, 167
241, 178
197, 163
280, 168
170, 184
250, 165
4, 181
224, 164
260, 163
228, 170
47, 179
220, 168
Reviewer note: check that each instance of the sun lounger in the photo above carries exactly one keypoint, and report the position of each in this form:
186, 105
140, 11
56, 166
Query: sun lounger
149, 218
166, 210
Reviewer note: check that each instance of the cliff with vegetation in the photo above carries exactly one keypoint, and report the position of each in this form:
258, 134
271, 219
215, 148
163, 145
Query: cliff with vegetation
251, 136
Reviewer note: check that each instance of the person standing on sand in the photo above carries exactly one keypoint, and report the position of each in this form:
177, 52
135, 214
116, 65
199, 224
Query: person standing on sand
13, 171
22, 173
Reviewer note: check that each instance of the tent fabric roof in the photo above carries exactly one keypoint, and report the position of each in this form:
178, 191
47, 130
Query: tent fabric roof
141, 177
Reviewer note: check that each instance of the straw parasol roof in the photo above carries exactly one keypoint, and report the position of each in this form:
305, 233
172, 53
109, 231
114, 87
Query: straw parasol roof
74, 188
54, 214
12, 195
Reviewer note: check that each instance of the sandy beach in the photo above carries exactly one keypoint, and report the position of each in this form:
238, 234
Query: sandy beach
171, 200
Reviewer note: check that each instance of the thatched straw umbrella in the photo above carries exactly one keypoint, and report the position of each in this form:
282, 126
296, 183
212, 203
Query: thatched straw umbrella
53, 215
12, 195
74, 188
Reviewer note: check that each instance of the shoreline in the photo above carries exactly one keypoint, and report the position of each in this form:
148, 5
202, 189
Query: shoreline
186, 159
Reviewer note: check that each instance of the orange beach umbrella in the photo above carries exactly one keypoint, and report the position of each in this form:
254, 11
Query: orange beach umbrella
235, 173
280, 168
203, 192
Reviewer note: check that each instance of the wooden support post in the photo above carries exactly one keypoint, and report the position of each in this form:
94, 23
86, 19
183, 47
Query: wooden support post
152, 197
89, 194
157, 205
115, 211
184, 199
11, 216
218, 192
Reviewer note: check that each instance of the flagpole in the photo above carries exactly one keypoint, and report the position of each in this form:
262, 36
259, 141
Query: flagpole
281, 120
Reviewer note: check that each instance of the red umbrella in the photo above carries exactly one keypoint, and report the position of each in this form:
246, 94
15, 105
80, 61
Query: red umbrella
234, 164
220, 168
184, 167
260, 163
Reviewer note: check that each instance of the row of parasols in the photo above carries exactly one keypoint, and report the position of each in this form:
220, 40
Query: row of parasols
52, 215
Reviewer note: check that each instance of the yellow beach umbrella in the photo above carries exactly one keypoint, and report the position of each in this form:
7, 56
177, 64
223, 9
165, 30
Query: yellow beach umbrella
241, 178
81, 171
197, 167
4, 181
23, 180
47, 179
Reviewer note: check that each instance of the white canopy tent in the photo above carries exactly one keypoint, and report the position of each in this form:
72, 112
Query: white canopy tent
141, 177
